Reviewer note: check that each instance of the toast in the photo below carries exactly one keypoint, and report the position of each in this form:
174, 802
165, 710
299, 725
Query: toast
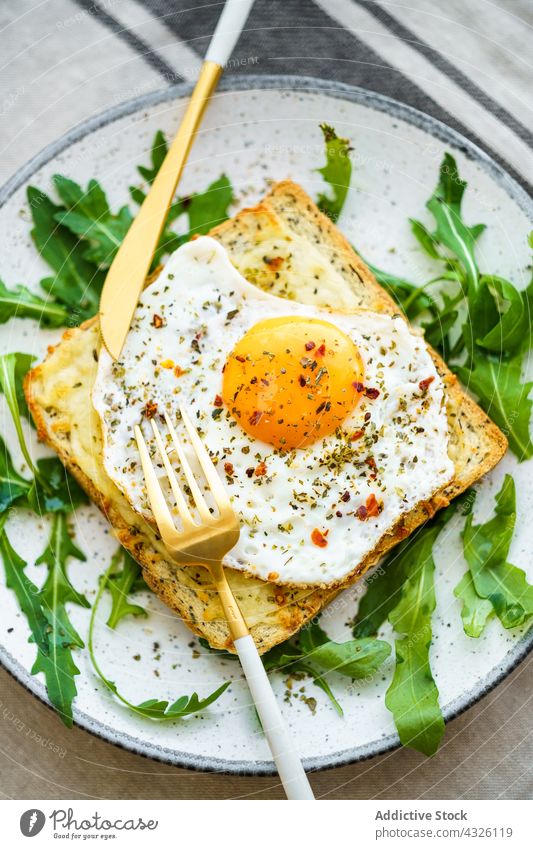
314, 264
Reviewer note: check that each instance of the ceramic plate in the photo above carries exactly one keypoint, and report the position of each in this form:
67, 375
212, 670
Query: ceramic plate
260, 129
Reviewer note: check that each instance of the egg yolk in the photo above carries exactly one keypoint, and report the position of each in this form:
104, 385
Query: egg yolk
292, 381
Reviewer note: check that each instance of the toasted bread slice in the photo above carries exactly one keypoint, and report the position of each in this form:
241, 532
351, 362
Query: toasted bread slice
314, 264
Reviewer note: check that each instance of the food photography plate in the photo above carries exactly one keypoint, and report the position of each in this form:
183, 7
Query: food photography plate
258, 130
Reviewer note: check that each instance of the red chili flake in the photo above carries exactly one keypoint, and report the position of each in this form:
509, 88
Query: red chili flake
218, 401
274, 262
322, 350
260, 470
309, 346
228, 468
157, 321
372, 393
373, 507
361, 513
250, 472
253, 380
302, 381
319, 538
338, 514
345, 496
150, 410
179, 371
357, 434
424, 384
240, 359
321, 407
255, 418
359, 387
367, 417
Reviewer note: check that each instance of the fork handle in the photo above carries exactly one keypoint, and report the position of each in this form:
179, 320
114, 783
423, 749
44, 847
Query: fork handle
281, 744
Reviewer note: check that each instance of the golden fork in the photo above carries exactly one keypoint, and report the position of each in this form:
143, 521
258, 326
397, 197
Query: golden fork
206, 543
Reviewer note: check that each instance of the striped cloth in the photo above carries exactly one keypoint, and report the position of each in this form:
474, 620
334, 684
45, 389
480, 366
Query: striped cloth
464, 63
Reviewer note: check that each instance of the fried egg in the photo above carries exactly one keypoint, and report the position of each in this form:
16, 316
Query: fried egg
326, 427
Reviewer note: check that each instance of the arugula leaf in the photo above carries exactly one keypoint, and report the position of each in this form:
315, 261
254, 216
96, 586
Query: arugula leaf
475, 611
337, 172
208, 208
413, 697
157, 154
25, 590
120, 585
54, 489
288, 659
486, 548
21, 366
57, 591
12, 369
383, 589
425, 238
511, 318
354, 658
156, 709
21, 303
451, 231
503, 397
89, 216
412, 299
204, 209
12, 485
54, 657
77, 283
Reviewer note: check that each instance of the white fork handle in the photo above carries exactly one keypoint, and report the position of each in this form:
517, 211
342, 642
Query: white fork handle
228, 30
281, 744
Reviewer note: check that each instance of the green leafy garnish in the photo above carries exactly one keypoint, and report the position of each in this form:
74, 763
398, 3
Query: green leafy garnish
475, 611
204, 210
353, 658
451, 231
120, 584
57, 591
54, 489
485, 317
45, 612
313, 648
12, 485
156, 709
486, 548
504, 398
21, 303
13, 367
77, 282
413, 697
157, 154
89, 217
337, 172
25, 590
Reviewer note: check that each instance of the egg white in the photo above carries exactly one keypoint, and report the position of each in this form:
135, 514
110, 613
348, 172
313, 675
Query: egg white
206, 307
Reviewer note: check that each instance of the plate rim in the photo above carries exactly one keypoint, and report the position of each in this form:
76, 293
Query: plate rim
372, 100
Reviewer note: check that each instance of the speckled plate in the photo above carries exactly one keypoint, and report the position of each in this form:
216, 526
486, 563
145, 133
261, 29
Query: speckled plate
260, 129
